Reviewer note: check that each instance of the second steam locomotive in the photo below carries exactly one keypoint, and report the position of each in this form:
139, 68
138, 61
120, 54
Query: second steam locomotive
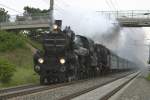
68, 57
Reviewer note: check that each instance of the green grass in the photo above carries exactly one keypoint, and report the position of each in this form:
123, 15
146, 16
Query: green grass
22, 76
35, 44
10, 41
148, 77
21, 56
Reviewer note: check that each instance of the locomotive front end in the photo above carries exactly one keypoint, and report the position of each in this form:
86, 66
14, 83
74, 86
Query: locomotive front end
54, 64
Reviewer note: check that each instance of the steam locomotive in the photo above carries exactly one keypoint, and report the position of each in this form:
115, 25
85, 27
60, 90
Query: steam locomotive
68, 57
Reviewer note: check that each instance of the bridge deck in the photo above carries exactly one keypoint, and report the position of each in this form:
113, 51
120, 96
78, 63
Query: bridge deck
134, 22
25, 24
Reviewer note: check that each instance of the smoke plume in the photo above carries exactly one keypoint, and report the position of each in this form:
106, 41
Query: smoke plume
126, 42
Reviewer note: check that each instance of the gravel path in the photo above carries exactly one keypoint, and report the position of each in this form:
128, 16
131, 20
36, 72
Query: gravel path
55, 94
139, 89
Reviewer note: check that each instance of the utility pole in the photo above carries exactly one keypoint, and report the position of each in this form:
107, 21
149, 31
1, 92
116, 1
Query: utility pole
51, 15
149, 55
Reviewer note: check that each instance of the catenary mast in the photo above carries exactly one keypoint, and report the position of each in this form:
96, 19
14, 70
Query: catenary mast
51, 15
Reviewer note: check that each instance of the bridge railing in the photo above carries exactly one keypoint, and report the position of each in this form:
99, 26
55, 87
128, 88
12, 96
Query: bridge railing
126, 14
40, 21
25, 20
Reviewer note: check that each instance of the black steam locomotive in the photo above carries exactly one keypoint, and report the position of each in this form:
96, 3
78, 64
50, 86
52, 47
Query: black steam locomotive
68, 57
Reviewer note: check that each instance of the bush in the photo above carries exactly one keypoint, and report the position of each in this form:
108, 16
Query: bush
6, 71
10, 41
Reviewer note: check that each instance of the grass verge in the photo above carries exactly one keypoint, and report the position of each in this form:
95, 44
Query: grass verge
24, 73
14, 50
22, 76
148, 77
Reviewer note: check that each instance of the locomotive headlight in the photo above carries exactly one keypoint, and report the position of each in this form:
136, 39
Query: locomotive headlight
62, 60
55, 26
41, 60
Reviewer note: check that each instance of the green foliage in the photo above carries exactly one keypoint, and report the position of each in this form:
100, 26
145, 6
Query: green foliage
34, 43
7, 70
35, 11
4, 15
10, 41
22, 76
21, 59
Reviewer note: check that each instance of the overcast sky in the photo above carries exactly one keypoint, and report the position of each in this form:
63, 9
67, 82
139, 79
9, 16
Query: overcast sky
92, 5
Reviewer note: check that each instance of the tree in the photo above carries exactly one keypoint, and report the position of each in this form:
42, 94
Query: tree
31, 13
35, 11
4, 16
6, 71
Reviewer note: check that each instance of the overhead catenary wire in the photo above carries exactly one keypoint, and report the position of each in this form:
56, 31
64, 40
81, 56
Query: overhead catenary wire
117, 4
113, 5
108, 4
5, 6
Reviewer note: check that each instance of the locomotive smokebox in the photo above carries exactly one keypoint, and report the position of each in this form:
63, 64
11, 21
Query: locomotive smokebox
55, 43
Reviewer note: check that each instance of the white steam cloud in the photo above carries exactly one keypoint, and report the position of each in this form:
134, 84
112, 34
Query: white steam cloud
126, 42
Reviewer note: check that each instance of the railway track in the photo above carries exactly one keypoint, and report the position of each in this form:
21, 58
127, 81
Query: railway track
20, 87
30, 89
102, 95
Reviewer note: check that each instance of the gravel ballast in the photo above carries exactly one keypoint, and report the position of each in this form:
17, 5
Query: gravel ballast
57, 93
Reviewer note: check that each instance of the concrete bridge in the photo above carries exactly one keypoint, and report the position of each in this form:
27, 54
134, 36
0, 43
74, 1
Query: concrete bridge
131, 18
42, 23
134, 22
25, 22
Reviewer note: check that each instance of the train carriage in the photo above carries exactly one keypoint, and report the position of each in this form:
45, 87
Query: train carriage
114, 62
103, 58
